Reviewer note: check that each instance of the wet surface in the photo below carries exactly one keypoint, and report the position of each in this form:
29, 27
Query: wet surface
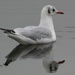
22, 13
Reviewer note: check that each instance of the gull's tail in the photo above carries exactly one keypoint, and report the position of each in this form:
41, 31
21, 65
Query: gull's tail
7, 30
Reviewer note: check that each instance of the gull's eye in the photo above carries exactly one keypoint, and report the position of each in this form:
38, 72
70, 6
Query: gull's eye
53, 10
49, 11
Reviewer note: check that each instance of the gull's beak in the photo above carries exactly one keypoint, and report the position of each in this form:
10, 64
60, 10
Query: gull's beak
61, 62
59, 12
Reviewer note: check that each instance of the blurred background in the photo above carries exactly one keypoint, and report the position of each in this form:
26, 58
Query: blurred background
21, 13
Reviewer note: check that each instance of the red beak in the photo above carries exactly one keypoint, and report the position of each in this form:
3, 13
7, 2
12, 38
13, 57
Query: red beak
61, 62
59, 12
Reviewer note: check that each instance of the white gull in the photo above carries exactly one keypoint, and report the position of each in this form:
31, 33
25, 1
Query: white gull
43, 33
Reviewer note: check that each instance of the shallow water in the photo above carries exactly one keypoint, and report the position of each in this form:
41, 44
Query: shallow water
23, 13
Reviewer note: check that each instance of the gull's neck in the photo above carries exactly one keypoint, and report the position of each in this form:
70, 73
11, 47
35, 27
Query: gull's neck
47, 22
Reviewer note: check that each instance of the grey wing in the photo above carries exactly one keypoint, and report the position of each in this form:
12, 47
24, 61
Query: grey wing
37, 33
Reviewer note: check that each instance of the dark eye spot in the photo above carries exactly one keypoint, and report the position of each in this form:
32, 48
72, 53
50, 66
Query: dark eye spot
53, 10
55, 68
49, 11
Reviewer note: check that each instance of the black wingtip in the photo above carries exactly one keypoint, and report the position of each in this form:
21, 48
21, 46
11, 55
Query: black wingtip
7, 30
7, 62
2, 29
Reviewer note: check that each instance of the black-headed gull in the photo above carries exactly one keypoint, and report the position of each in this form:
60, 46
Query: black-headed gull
43, 33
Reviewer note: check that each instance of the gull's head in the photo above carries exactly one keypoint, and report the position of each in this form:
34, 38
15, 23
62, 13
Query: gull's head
53, 66
50, 10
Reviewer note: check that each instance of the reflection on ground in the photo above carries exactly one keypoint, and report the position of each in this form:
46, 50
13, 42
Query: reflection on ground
43, 51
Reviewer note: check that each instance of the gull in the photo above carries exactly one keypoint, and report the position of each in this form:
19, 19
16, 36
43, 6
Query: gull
43, 33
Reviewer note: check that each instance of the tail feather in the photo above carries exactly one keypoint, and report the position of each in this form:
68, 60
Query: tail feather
7, 30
